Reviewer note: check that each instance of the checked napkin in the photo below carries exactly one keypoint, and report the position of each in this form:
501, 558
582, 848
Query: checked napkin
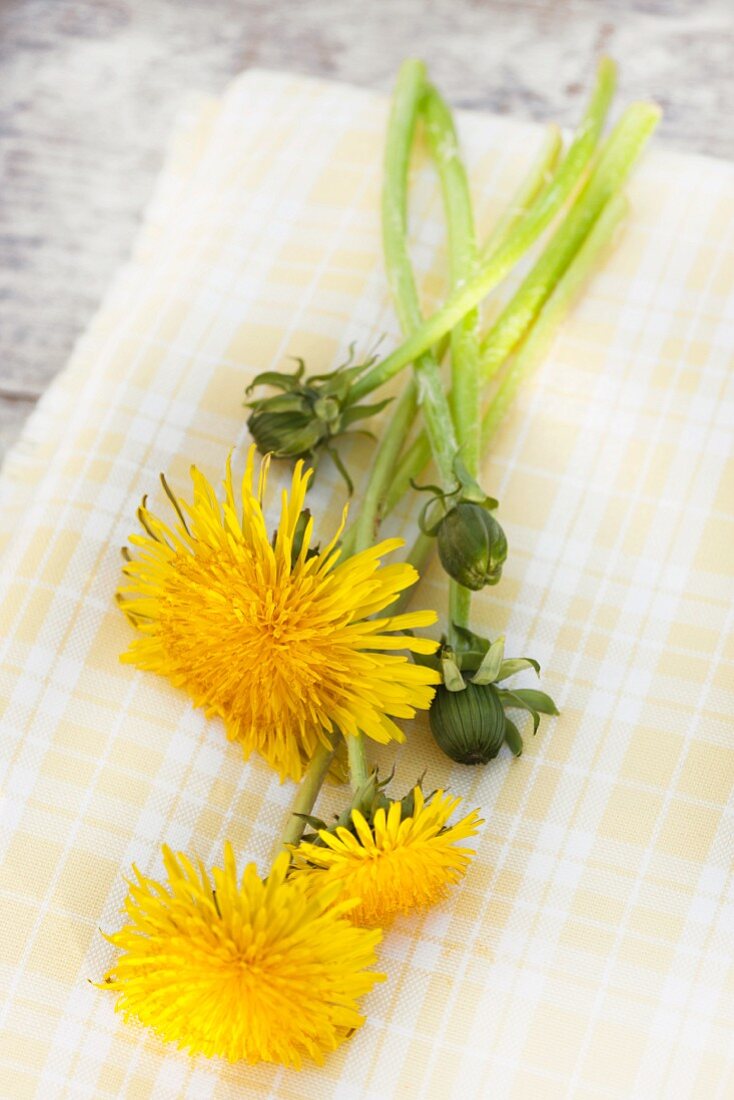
590, 950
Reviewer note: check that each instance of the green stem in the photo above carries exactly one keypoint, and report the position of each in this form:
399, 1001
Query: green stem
348, 541
555, 311
410, 89
406, 99
459, 608
551, 317
497, 266
618, 155
414, 459
537, 179
542, 334
444, 145
465, 372
621, 150
427, 389
306, 794
417, 556
359, 769
383, 468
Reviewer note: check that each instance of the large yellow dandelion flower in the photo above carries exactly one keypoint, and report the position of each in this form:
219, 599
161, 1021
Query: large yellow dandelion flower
274, 637
402, 861
245, 970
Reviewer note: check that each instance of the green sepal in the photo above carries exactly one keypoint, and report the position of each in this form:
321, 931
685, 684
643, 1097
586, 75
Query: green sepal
469, 489
509, 699
337, 460
445, 501
489, 669
359, 412
450, 671
513, 740
281, 403
467, 640
338, 382
538, 700
426, 660
436, 504
280, 379
516, 664
367, 799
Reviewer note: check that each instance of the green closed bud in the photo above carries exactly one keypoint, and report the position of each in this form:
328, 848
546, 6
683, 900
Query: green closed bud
467, 715
285, 434
471, 545
309, 413
468, 725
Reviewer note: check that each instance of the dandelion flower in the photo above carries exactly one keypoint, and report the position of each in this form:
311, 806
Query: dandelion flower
398, 862
245, 970
273, 636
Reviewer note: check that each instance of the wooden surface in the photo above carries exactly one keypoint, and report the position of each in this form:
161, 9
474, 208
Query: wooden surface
90, 89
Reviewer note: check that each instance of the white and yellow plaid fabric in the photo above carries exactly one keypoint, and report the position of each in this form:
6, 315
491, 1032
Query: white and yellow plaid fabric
589, 952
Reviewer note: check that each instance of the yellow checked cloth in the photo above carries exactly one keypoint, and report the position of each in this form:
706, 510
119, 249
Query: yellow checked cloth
589, 952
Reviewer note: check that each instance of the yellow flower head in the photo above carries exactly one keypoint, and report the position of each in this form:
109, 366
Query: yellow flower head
401, 861
247, 970
274, 637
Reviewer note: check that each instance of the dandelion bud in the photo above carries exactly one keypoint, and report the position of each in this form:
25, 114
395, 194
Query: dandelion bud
471, 545
308, 413
285, 434
468, 725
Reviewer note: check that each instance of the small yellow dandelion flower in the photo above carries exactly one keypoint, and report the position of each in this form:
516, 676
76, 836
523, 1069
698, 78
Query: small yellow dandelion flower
247, 970
398, 863
274, 637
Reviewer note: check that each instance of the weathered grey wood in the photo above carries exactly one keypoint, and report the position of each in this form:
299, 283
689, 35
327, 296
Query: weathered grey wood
90, 88
13, 412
